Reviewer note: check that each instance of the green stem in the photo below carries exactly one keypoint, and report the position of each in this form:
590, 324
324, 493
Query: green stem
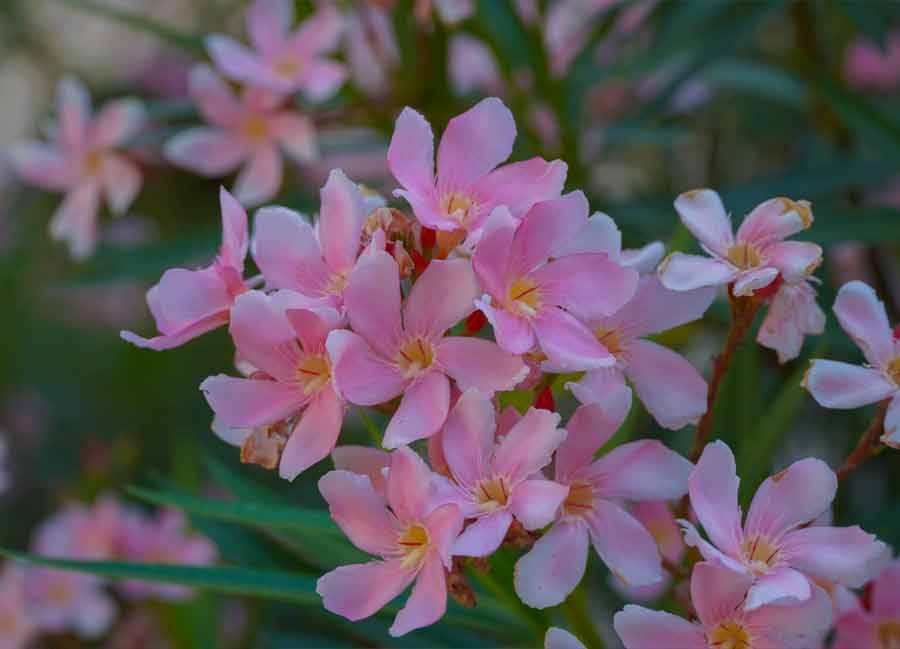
509, 599
578, 617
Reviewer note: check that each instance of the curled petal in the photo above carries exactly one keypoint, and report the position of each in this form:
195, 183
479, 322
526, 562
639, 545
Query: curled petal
703, 214
681, 272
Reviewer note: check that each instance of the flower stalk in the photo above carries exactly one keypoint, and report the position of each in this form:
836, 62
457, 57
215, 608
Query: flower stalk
867, 443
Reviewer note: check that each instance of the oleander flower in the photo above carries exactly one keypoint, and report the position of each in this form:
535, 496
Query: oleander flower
469, 183
282, 61
17, 624
793, 314
393, 351
875, 623
717, 594
188, 303
408, 528
748, 261
496, 483
667, 384
534, 296
782, 559
841, 385
251, 131
283, 336
635, 472
85, 160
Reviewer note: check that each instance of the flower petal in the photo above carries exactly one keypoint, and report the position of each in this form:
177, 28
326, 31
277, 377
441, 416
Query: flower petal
41, 165
484, 535
589, 428
314, 436
681, 272
796, 260
359, 511
268, 22
372, 298
891, 436
474, 143
422, 411
73, 111
862, 315
703, 214
296, 134
747, 282
411, 153
260, 178
320, 79
116, 123
561, 639
713, 487
479, 363
529, 445
535, 502
841, 385
121, 182
803, 625
717, 592
513, 333
363, 460
75, 220
250, 402
427, 602
234, 59
341, 220
551, 570
791, 498
443, 295
468, 437
409, 486
641, 628
206, 151
491, 260
600, 234
589, 285
642, 470
360, 590
624, 545
263, 335
215, 99
568, 343
182, 298
774, 220
520, 185
780, 586
547, 227
287, 252
843, 555
361, 376
655, 308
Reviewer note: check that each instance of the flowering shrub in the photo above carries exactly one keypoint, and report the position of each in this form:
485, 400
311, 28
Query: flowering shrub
489, 331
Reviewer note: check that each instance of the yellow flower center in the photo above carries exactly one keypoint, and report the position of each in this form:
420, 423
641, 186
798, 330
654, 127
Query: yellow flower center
415, 356
287, 67
580, 499
525, 296
802, 208
760, 554
893, 370
413, 545
337, 283
609, 338
492, 494
255, 129
60, 593
313, 372
744, 256
889, 634
458, 207
730, 635
92, 162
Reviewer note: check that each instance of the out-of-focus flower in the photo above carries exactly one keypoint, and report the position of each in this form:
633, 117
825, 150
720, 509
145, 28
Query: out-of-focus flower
407, 527
84, 161
80, 532
534, 294
250, 131
4, 458
68, 601
867, 66
188, 303
472, 66
17, 625
282, 61
371, 49
469, 184
780, 558
283, 337
637, 471
667, 384
498, 483
392, 351
557, 638
792, 315
718, 595
160, 539
450, 12
749, 261
875, 623
841, 385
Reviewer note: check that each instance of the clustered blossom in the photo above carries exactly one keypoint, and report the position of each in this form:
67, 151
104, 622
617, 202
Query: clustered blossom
40, 599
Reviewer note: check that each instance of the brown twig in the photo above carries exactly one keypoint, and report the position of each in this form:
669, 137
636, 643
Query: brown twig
867, 443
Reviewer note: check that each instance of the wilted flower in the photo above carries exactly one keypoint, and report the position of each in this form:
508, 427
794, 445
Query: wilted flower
793, 314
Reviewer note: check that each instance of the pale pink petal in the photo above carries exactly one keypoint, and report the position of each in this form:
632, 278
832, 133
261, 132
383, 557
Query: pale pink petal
624, 545
340, 220
840, 385
798, 625
260, 177
752, 280
249, 402
483, 536
117, 123
791, 498
234, 231
454, 11
668, 385
520, 185
713, 487
703, 214
796, 260
268, 22
773, 220
263, 336
182, 297
361, 376
855, 629
474, 143
359, 511
568, 343
296, 134
547, 227
862, 315
781, 585
589, 285
605, 387
599, 234
170, 341
491, 259
409, 486
891, 436
361, 590
589, 428
529, 445
717, 591
553, 567
287, 252
121, 181
372, 299
422, 411
320, 79
513, 333
75, 220
427, 602
708, 551
885, 597
443, 523
41, 165
312, 325
561, 639
843, 555
411, 153
481, 364
206, 151
363, 460
535, 502
468, 437
655, 308
320, 33
442, 296
641, 628
314, 436
793, 314
681, 272
642, 470
215, 99
73, 111
234, 59
645, 259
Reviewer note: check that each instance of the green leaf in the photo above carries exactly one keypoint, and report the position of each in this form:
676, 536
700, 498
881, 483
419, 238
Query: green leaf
753, 77
864, 118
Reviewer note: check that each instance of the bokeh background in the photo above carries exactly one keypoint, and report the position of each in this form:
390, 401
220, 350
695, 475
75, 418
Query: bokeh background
643, 99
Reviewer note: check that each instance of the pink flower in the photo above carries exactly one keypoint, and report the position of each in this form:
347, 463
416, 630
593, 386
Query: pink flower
668, 385
793, 314
392, 352
876, 624
472, 66
752, 259
496, 483
282, 61
283, 337
313, 260
534, 294
771, 548
468, 185
413, 537
84, 162
162, 539
188, 303
250, 131
637, 471
842, 385
870, 67
557, 638
372, 51
718, 594
17, 626
80, 532
63, 601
